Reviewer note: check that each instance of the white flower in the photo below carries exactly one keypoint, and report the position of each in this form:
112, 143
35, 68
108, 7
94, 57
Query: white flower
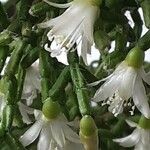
124, 83
75, 24
53, 134
31, 84
140, 138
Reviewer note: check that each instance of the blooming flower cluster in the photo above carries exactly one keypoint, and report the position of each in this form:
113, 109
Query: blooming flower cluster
49, 97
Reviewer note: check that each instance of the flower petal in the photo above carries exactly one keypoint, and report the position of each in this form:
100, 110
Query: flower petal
145, 137
108, 88
140, 99
127, 83
131, 123
70, 134
130, 140
32, 133
73, 146
145, 76
24, 110
58, 133
58, 5
45, 138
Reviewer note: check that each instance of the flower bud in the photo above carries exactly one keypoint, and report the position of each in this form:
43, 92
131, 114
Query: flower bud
144, 123
50, 109
88, 133
135, 57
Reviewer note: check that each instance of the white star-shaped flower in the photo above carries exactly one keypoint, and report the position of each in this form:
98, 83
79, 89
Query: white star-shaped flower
139, 138
124, 83
54, 134
75, 25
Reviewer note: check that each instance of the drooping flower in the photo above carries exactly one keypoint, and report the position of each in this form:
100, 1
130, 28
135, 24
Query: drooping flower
52, 128
31, 84
139, 138
75, 25
125, 83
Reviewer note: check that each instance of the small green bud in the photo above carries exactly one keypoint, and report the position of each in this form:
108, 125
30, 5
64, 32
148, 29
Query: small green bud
87, 126
135, 57
88, 133
144, 123
50, 109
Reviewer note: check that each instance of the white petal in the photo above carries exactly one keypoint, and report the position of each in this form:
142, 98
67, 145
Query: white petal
130, 140
45, 138
98, 82
32, 133
37, 114
91, 13
131, 123
28, 109
73, 146
145, 137
127, 83
84, 48
141, 146
70, 134
108, 88
57, 132
145, 76
58, 5
140, 99
24, 110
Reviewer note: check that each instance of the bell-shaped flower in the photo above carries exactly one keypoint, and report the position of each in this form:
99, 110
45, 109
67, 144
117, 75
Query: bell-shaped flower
51, 127
124, 83
31, 84
139, 138
74, 26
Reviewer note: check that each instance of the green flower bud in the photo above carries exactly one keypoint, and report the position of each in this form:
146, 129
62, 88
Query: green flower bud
144, 123
88, 133
135, 57
87, 126
50, 109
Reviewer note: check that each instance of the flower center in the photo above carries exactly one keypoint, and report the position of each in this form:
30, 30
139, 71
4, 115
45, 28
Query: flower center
117, 103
